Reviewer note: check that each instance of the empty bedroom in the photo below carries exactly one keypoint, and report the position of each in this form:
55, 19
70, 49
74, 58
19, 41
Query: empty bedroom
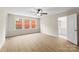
39, 29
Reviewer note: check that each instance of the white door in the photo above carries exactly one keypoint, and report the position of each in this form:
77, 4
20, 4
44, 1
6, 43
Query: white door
72, 28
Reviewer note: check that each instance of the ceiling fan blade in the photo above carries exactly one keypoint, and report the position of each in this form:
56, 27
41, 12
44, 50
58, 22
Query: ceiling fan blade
44, 13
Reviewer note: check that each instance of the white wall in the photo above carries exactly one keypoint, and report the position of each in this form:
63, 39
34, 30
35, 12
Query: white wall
11, 26
49, 24
3, 17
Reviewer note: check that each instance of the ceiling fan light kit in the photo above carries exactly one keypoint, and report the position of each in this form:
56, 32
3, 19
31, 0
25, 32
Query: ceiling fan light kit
39, 12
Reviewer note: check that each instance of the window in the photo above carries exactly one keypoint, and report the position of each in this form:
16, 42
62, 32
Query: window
26, 24
19, 24
33, 23
62, 26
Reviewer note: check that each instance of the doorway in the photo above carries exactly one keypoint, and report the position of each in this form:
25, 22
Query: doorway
62, 27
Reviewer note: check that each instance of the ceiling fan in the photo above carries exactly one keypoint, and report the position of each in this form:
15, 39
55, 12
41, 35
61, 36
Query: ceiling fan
40, 12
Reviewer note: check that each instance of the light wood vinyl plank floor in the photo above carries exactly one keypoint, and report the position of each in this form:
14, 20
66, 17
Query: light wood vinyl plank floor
38, 43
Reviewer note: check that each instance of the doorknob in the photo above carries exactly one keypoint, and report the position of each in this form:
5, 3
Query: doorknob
75, 30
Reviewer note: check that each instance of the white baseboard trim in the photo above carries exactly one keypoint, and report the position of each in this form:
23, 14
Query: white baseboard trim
1, 45
51, 34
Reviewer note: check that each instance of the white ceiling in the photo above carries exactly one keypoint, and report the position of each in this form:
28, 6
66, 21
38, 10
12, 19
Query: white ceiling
28, 11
